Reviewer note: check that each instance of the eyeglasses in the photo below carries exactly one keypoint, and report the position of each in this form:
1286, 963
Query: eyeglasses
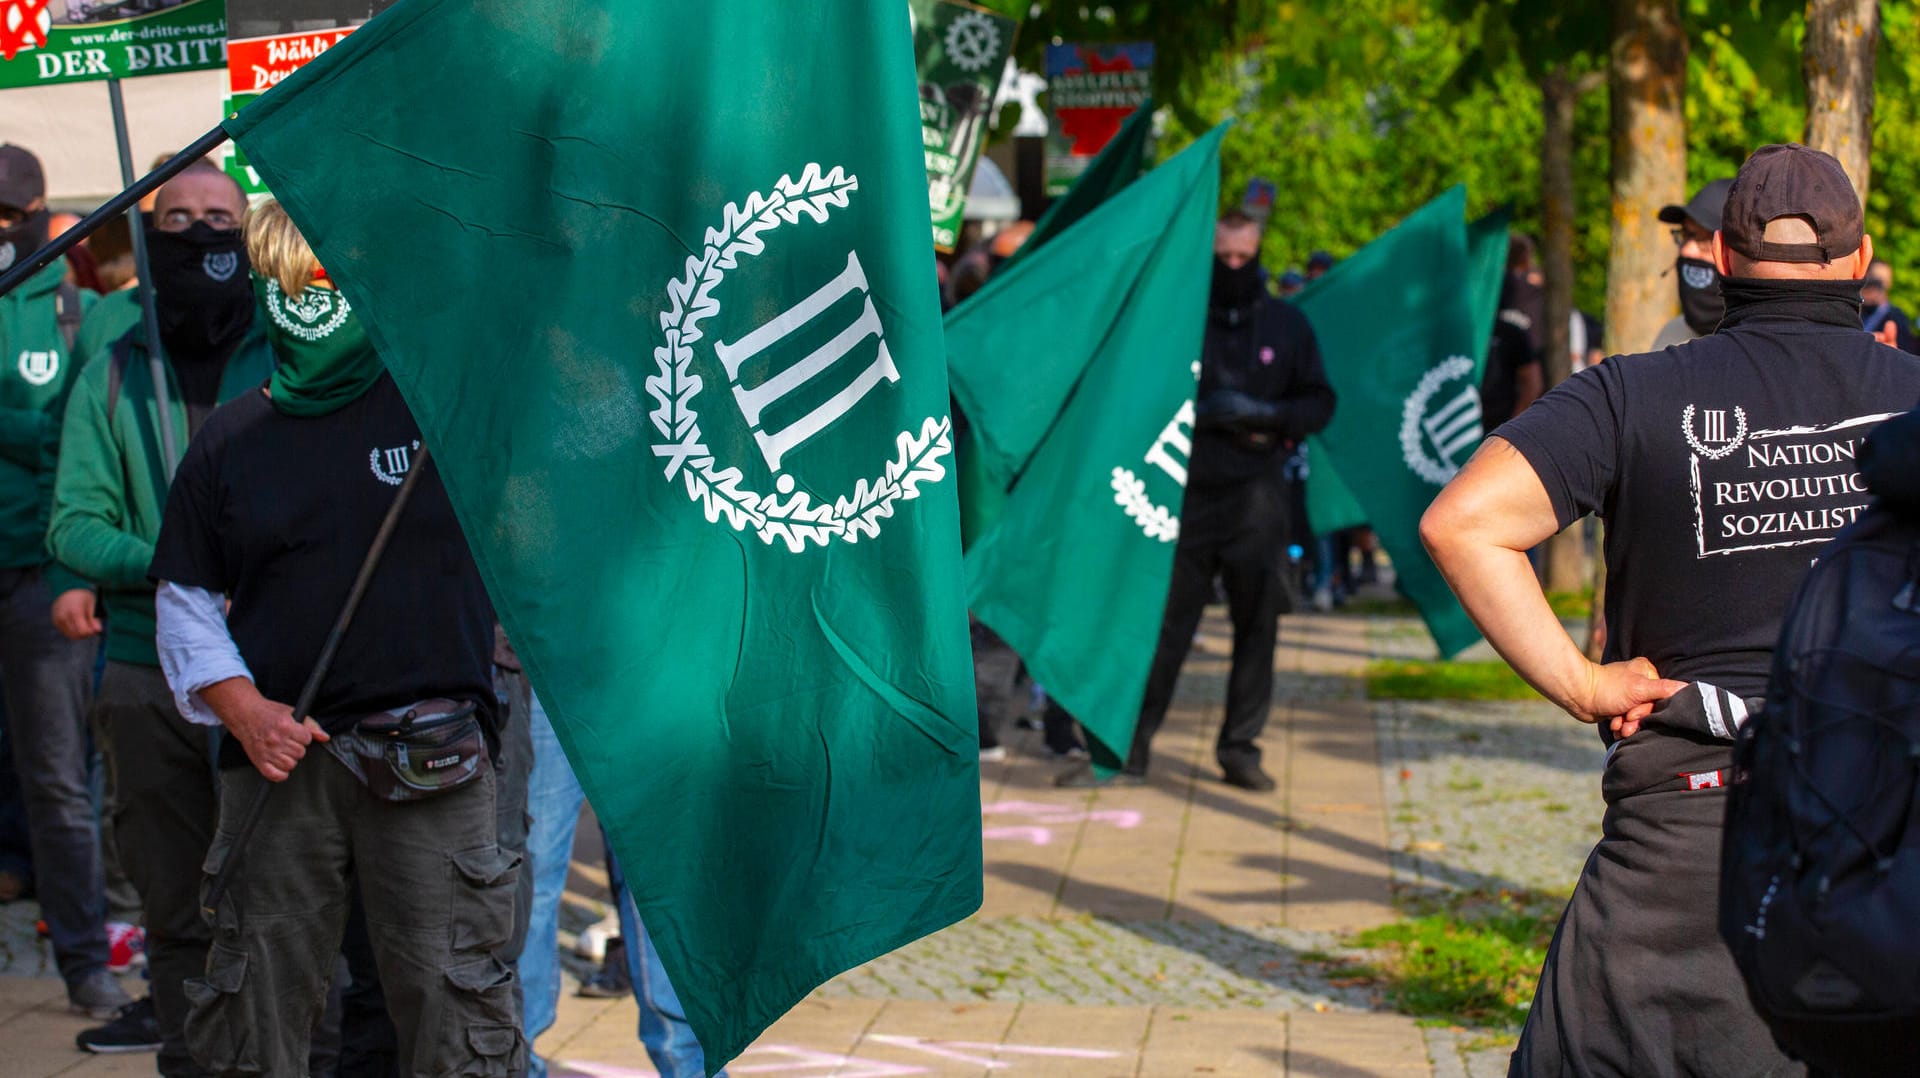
1682, 236
179, 220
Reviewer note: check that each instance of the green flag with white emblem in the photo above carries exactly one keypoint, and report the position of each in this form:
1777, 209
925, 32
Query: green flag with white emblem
1331, 505
1404, 355
655, 280
1077, 368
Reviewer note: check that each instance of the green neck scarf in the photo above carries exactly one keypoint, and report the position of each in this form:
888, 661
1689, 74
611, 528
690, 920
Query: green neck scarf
326, 361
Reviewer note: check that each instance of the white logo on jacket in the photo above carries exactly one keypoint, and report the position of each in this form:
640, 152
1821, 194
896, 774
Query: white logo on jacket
39, 368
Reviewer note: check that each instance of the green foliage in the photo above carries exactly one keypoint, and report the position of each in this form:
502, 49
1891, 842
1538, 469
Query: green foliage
1362, 111
1393, 679
1475, 962
1571, 604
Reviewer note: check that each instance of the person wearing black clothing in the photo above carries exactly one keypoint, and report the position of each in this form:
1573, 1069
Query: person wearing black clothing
274, 507
1262, 391
1513, 379
1879, 314
1720, 465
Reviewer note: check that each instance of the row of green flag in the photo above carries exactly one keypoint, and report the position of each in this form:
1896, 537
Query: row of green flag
657, 285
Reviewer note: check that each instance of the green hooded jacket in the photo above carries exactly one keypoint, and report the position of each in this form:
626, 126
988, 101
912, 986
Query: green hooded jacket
36, 374
112, 486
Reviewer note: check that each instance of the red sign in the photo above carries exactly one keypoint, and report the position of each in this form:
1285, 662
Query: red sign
23, 25
254, 66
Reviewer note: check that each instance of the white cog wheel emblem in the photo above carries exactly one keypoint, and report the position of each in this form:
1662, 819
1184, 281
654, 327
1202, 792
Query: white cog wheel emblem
972, 41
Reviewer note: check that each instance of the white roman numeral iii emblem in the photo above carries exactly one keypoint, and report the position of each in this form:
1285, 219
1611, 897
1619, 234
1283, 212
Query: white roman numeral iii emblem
1455, 428
756, 399
1178, 437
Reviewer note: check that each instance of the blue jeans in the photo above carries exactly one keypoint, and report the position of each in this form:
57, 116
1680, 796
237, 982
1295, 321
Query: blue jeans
554, 798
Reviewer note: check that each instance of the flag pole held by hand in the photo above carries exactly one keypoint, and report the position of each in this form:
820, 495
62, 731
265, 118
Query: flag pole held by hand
303, 707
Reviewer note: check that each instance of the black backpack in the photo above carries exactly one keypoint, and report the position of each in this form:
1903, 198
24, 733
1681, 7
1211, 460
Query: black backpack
1820, 866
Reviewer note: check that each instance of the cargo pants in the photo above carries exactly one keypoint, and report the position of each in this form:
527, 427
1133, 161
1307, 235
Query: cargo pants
439, 894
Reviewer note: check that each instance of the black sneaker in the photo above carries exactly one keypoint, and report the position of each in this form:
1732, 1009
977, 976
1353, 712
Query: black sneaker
610, 981
137, 1029
1247, 777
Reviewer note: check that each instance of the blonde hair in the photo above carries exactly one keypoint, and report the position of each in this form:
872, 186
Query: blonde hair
277, 249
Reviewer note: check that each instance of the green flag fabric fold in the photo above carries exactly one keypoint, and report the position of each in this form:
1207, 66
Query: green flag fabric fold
655, 280
1077, 368
1404, 345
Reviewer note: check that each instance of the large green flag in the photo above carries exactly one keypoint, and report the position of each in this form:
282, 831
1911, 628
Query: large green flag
1404, 343
655, 279
1078, 368
1331, 505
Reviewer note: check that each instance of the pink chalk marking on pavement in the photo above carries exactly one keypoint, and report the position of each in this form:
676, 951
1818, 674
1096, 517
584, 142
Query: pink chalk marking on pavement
1055, 816
1038, 836
802, 1061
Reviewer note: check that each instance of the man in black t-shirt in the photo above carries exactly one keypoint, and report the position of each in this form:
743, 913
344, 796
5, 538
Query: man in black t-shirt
1262, 391
274, 507
1721, 465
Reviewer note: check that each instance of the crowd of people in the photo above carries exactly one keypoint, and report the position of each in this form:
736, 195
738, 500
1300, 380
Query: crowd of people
181, 519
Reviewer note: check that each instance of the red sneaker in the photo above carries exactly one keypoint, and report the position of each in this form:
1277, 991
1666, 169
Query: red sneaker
127, 947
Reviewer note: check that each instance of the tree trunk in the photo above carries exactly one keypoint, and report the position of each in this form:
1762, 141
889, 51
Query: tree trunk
1648, 82
1560, 92
1837, 61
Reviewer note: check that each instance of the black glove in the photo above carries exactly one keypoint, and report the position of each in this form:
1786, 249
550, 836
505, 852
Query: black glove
1230, 409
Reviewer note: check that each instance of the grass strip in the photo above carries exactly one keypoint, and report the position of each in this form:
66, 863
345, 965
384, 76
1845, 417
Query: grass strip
1404, 679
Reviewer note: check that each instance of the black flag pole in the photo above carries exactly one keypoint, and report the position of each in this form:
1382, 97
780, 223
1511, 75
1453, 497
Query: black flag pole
114, 207
303, 707
150, 318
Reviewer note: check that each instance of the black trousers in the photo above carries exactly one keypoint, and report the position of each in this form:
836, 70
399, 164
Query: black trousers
1237, 534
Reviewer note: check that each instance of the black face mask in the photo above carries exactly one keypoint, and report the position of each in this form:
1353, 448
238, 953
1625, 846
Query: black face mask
1701, 303
23, 239
202, 291
1235, 289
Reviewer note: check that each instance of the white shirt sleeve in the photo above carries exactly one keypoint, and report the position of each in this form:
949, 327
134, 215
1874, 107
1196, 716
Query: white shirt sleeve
196, 649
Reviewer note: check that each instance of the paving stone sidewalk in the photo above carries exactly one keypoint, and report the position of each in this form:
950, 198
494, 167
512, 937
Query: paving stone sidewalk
1179, 928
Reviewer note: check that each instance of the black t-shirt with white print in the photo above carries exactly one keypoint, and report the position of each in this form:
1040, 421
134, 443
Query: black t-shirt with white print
277, 512
1720, 467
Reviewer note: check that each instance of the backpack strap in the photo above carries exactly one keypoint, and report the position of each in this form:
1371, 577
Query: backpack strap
66, 302
117, 370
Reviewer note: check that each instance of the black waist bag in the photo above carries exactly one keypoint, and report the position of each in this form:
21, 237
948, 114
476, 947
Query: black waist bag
418, 751
1820, 880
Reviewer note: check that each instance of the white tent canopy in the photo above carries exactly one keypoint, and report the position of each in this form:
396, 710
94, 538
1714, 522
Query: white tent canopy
991, 198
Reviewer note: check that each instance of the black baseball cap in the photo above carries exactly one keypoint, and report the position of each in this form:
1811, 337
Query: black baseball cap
1703, 209
21, 181
1791, 180
1320, 260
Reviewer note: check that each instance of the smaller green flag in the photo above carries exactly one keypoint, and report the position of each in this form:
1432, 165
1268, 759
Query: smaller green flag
1077, 369
1405, 357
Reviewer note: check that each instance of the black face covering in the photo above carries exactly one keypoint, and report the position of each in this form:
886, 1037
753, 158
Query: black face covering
202, 291
1701, 303
1234, 289
23, 239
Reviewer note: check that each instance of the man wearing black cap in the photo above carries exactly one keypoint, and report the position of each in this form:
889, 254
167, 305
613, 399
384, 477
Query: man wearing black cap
1701, 305
46, 676
1721, 464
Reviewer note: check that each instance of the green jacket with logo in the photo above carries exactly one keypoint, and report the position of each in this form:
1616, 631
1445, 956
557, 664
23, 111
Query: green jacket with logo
36, 374
112, 485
